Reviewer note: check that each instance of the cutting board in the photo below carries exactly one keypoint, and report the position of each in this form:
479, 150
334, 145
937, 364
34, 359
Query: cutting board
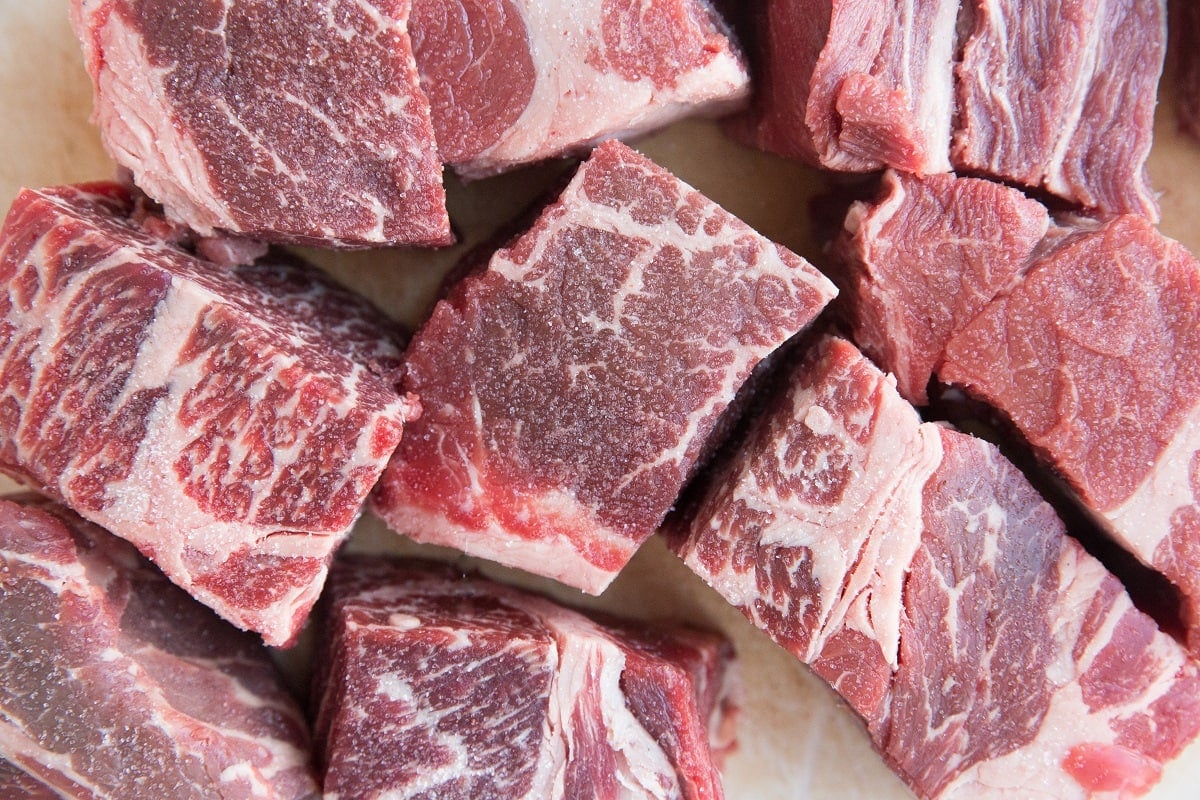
796, 739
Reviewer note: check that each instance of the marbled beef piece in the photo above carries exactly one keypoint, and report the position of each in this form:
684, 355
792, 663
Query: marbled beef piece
440, 685
1095, 357
853, 85
571, 387
299, 122
1060, 95
924, 258
229, 422
1052, 95
116, 684
918, 572
517, 81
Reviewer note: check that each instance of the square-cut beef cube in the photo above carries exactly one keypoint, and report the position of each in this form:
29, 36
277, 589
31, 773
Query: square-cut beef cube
919, 573
114, 683
1060, 96
300, 122
1056, 96
570, 387
511, 82
1095, 358
458, 687
853, 85
229, 422
924, 258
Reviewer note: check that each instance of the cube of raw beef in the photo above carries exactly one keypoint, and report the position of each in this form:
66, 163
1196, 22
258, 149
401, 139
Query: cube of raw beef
300, 122
1061, 95
1053, 95
438, 685
116, 684
228, 422
916, 571
924, 258
1095, 357
571, 386
511, 82
853, 85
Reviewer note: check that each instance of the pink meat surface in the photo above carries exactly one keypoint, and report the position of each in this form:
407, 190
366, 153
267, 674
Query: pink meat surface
22, 786
517, 81
436, 684
924, 259
570, 388
917, 571
1061, 95
115, 684
1095, 357
1057, 96
854, 85
300, 122
227, 421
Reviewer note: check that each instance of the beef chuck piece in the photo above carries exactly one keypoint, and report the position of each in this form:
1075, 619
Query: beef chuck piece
1085, 339
1095, 357
1060, 96
571, 387
517, 81
227, 421
853, 85
456, 687
916, 570
299, 122
924, 258
1057, 96
114, 683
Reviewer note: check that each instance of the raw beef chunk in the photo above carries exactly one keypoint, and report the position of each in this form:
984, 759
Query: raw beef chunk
924, 259
1052, 95
571, 386
1061, 95
228, 422
298, 122
115, 684
853, 84
1095, 357
916, 571
437, 685
516, 81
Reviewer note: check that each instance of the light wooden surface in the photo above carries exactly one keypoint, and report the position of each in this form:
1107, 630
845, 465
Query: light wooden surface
796, 741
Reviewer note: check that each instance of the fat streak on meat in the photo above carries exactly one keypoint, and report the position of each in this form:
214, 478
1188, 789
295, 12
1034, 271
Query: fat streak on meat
1095, 357
915, 570
570, 388
115, 684
853, 85
300, 122
228, 422
511, 82
434, 684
